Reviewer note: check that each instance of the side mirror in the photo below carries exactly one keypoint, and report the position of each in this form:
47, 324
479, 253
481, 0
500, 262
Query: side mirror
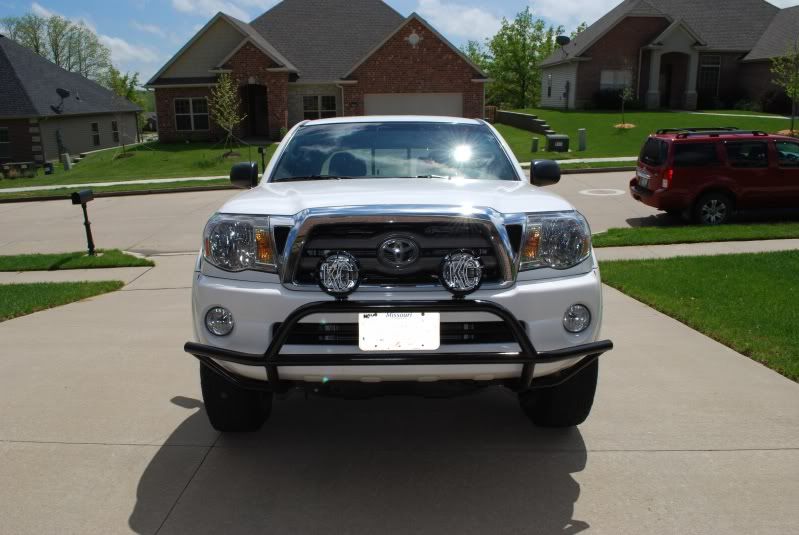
544, 173
244, 175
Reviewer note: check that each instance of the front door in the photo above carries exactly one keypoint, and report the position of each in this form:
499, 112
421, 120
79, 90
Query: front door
254, 101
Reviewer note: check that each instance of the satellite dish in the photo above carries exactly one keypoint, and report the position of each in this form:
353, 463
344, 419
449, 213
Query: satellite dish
63, 93
562, 40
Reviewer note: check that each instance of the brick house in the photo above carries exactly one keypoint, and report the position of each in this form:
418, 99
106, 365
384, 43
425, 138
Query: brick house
679, 54
307, 59
38, 124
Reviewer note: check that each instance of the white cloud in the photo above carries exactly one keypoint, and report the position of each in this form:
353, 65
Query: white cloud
148, 28
41, 11
208, 8
459, 20
570, 13
122, 51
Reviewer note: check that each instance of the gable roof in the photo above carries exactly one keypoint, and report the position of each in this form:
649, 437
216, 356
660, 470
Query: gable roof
778, 37
414, 16
734, 25
248, 34
29, 82
325, 38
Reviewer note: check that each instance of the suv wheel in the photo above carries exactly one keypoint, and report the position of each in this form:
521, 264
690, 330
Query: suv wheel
713, 209
231, 408
565, 405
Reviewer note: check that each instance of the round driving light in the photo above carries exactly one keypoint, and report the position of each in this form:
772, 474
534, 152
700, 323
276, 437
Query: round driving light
339, 274
219, 321
461, 272
576, 319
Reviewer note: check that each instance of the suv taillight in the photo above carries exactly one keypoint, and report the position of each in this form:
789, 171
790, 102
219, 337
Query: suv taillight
668, 174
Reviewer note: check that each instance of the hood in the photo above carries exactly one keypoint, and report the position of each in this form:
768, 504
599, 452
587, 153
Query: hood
289, 198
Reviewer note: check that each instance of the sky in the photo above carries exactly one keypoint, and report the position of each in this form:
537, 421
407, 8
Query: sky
144, 34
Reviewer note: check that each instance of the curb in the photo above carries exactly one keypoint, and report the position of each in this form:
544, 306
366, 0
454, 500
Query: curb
98, 195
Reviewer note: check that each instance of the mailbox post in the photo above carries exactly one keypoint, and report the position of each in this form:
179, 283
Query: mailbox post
81, 198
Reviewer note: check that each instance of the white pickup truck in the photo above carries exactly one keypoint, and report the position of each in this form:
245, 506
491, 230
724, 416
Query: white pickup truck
396, 255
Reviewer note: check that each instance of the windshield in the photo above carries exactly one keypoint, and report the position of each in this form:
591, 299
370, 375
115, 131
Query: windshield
394, 150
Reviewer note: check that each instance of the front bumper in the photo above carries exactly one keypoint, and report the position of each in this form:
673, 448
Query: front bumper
527, 357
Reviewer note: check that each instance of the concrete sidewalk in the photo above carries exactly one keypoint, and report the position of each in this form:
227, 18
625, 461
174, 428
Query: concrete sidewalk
116, 183
695, 249
107, 434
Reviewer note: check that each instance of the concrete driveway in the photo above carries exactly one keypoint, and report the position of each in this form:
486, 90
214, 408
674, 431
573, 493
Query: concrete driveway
102, 430
173, 222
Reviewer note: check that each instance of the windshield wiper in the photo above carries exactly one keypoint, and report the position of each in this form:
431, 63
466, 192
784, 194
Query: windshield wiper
434, 176
313, 177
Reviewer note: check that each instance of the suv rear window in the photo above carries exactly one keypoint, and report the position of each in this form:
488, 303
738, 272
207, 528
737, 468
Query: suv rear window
654, 152
747, 153
695, 154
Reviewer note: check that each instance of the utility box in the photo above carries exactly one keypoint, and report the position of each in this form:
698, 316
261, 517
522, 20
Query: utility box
557, 143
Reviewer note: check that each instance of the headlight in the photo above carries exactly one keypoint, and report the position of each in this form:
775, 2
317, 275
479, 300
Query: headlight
238, 243
557, 240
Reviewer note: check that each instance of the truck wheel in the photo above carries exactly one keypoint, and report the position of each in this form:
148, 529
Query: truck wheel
230, 408
713, 209
565, 405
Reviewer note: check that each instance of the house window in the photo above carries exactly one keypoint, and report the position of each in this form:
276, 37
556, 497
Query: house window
191, 114
318, 107
549, 85
615, 79
115, 131
5, 145
709, 72
96, 134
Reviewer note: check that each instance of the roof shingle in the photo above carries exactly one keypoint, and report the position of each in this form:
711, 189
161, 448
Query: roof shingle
28, 85
778, 37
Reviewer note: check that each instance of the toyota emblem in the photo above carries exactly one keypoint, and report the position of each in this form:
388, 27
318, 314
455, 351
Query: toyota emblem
398, 252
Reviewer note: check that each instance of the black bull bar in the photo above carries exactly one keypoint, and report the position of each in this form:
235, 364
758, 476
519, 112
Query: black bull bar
272, 359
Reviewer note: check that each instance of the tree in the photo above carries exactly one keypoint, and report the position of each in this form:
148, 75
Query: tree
580, 29
125, 86
70, 45
625, 95
785, 71
225, 108
515, 53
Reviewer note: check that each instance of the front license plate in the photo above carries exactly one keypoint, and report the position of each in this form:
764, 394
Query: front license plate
399, 331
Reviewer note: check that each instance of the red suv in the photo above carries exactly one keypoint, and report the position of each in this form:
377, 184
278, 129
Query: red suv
709, 172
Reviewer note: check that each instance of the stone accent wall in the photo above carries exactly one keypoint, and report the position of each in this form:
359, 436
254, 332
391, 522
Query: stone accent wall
251, 66
617, 49
429, 67
21, 134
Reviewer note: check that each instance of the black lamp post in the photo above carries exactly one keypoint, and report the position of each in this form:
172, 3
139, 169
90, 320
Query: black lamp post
81, 198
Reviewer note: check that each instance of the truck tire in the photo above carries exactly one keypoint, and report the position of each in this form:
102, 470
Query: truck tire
565, 405
714, 208
230, 408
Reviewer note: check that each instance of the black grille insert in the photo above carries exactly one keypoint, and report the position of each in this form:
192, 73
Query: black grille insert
435, 240
475, 332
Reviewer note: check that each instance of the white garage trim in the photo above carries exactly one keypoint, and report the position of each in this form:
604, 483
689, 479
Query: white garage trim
450, 104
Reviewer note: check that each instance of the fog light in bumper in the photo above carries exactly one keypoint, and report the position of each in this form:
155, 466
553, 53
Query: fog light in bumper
576, 319
219, 321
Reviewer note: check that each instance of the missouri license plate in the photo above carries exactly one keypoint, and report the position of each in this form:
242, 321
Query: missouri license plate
399, 331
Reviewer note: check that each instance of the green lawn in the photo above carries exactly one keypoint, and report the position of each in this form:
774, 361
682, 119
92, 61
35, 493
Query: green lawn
66, 192
150, 160
20, 299
745, 301
111, 258
606, 141
619, 237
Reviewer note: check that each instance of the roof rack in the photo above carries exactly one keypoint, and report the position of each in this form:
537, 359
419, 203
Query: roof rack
696, 129
683, 133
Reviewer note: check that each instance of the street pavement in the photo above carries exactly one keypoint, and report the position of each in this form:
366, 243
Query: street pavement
102, 430
168, 223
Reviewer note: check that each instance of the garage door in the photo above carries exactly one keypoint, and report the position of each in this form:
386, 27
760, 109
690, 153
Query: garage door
450, 104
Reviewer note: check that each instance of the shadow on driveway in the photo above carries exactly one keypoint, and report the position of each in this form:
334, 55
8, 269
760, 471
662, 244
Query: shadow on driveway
471, 464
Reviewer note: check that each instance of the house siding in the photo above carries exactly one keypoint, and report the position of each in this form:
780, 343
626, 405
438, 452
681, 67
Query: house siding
21, 134
617, 49
561, 75
205, 53
755, 79
297, 91
430, 67
76, 132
